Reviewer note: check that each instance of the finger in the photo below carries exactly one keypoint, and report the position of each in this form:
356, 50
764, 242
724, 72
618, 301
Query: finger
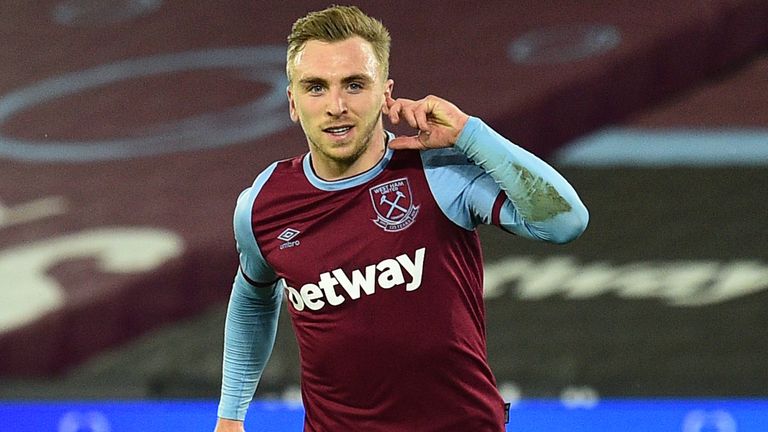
408, 114
424, 136
420, 115
394, 111
396, 108
406, 143
388, 101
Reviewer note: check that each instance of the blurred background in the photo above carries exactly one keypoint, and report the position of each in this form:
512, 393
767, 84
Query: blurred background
129, 127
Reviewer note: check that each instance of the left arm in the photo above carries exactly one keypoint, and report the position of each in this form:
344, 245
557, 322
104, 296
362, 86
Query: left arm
540, 203
540, 200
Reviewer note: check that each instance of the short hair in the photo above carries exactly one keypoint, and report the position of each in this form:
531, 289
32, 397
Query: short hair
338, 23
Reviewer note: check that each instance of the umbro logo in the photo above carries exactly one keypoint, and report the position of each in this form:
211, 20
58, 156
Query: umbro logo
287, 236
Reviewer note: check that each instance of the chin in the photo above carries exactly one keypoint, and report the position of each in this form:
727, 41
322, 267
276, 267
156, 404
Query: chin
345, 157
347, 154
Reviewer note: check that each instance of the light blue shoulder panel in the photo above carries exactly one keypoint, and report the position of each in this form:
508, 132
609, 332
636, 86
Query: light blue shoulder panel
463, 191
252, 262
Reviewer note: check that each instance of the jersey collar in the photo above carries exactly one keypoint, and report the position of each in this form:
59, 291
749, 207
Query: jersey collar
349, 182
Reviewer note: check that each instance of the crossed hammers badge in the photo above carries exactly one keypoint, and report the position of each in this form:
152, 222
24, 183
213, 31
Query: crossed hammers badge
393, 204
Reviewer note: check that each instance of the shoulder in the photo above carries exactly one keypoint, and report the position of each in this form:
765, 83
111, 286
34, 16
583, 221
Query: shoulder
448, 164
456, 184
444, 158
271, 172
247, 196
277, 168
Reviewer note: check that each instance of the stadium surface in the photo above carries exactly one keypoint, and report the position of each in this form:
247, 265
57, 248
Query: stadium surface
126, 135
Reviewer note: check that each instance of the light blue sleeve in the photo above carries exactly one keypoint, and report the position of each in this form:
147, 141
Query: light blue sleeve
467, 180
252, 314
252, 263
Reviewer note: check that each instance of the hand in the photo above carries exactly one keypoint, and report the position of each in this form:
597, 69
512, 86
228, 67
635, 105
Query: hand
439, 122
226, 425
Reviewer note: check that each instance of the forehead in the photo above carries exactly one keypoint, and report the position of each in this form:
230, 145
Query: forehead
335, 60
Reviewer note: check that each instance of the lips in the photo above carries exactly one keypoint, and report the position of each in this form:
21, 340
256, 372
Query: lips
338, 130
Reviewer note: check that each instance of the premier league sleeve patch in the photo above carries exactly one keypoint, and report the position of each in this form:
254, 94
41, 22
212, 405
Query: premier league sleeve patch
393, 203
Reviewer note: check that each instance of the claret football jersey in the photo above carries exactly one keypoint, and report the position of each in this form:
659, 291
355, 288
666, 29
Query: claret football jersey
382, 274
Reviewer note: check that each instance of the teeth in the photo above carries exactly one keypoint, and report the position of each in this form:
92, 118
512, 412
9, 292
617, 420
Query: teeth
338, 130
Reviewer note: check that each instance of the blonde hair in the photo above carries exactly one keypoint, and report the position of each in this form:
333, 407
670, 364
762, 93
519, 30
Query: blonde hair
338, 23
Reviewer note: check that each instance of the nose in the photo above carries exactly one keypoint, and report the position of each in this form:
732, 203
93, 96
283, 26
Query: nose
337, 104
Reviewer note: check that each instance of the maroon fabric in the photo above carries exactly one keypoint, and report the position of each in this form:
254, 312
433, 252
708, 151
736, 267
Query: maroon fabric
496, 211
362, 361
459, 52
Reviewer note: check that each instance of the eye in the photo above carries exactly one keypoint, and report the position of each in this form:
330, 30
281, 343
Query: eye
315, 88
355, 86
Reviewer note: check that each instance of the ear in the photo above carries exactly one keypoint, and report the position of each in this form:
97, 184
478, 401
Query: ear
291, 105
388, 86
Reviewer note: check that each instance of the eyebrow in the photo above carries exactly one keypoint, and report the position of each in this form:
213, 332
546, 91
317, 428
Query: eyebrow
312, 81
357, 77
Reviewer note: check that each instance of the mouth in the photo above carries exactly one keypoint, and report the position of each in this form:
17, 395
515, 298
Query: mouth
338, 131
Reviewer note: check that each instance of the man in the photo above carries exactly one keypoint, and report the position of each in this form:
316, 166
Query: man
372, 239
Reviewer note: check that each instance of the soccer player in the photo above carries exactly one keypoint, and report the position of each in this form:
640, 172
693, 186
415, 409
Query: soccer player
371, 238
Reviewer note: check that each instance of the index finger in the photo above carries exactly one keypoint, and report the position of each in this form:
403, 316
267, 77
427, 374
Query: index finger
396, 107
389, 101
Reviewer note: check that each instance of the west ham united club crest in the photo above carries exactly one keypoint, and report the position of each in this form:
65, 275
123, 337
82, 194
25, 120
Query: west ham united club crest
393, 203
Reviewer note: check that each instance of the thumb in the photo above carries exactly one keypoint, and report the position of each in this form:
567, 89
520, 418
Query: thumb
406, 143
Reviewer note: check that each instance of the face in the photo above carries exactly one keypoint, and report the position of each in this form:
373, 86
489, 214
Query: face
336, 93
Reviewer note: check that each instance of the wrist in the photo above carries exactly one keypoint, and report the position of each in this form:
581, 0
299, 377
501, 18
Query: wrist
229, 425
461, 122
466, 134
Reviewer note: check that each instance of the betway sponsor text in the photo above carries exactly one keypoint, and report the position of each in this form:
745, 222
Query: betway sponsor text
332, 285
